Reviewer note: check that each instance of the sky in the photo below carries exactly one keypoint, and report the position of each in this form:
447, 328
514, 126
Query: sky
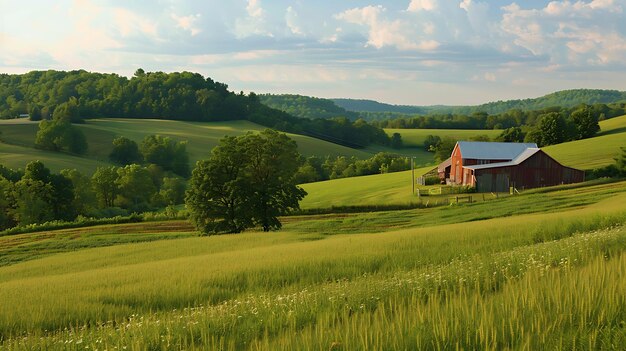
413, 52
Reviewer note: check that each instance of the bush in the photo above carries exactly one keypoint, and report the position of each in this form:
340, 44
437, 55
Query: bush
432, 180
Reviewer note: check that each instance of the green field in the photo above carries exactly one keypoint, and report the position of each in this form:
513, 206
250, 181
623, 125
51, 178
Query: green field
416, 137
595, 152
539, 280
381, 189
202, 137
395, 188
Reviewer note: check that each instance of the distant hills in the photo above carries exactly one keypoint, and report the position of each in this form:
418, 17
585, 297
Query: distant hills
312, 107
564, 98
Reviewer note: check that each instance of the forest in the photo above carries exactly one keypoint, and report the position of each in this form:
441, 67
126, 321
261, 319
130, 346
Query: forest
306, 106
177, 96
372, 110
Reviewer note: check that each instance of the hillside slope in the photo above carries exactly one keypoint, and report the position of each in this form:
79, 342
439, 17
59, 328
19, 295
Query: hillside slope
395, 188
594, 152
19, 136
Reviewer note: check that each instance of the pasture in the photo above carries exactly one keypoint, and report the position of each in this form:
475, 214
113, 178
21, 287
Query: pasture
594, 152
18, 138
523, 281
416, 137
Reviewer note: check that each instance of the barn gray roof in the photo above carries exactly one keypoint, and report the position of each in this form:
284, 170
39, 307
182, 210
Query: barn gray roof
493, 151
516, 161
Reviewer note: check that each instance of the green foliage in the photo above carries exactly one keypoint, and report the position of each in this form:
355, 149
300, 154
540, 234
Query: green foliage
84, 196
6, 194
306, 106
125, 151
68, 112
396, 141
431, 142
104, 185
178, 96
217, 196
511, 135
551, 129
60, 135
444, 149
585, 123
566, 98
34, 114
172, 190
135, 188
248, 180
32, 201
317, 169
166, 153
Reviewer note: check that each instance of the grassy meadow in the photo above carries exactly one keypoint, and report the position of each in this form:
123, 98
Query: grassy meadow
17, 140
542, 270
595, 152
416, 137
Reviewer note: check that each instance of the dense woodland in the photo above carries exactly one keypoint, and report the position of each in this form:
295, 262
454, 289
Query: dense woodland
35, 195
177, 96
306, 106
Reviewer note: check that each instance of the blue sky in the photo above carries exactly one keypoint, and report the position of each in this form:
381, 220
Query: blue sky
399, 51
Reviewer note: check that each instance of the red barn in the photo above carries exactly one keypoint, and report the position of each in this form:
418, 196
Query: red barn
499, 166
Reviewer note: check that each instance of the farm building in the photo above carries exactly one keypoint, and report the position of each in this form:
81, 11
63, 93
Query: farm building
498, 166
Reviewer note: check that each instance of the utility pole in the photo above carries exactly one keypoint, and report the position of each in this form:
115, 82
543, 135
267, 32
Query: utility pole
413, 174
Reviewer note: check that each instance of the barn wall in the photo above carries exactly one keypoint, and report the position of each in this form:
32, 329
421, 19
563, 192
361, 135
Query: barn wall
456, 167
537, 171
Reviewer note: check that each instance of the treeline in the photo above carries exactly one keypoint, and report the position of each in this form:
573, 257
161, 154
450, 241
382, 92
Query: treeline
482, 120
177, 96
306, 106
315, 169
36, 195
373, 110
548, 128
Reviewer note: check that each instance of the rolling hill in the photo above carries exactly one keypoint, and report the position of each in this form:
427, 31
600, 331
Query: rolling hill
594, 152
395, 188
18, 137
565, 98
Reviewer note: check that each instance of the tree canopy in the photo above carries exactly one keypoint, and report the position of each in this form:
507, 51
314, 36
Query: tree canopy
178, 96
247, 181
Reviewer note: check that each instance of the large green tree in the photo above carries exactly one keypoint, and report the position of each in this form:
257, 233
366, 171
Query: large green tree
217, 196
552, 129
274, 160
247, 181
585, 123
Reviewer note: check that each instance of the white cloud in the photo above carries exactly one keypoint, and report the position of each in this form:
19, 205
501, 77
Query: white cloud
254, 24
254, 9
422, 5
383, 32
187, 23
570, 32
291, 18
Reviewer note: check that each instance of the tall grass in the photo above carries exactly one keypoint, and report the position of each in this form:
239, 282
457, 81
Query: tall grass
562, 294
286, 291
